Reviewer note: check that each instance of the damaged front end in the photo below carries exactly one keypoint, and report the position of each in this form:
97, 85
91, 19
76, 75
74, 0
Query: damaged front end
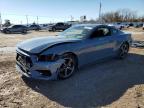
43, 67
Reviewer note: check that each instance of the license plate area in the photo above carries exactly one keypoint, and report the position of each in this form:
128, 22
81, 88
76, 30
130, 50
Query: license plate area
24, 61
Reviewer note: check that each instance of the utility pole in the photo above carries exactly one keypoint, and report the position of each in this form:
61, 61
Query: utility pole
27, 19
71, 18
100, 11
0, 21
37, 19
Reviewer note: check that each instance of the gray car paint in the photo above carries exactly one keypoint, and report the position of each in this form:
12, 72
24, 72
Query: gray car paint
87, 50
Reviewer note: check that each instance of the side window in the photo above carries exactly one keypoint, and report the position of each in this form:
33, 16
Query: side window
58, 24
32, 25
16, 26
101, 32
114, 31
20, 26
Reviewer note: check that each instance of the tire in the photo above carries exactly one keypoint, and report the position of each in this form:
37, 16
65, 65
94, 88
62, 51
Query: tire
53, 29
123, 51
24, 31
7, 32
37, 29
68, 68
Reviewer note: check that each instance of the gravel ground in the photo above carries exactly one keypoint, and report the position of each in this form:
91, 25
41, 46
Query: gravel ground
110, 84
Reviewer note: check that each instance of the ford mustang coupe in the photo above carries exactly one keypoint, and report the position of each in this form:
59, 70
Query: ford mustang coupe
58, 57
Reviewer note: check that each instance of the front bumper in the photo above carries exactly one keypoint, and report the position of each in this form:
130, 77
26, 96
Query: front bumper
35, 70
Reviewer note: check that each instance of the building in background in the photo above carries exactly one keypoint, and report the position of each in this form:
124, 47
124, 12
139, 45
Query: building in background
83, 18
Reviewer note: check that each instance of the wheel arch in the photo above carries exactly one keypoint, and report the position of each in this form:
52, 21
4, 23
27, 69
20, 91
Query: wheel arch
126, 42
73, 54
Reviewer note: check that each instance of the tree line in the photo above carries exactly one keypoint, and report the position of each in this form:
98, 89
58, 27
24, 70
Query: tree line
122, 15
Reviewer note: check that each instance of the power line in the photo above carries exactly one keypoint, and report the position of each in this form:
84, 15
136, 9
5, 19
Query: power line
0, 21
37, 19
100, 7
27, 19
39, 16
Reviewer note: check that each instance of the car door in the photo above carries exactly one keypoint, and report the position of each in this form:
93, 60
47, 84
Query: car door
14, 28
100, 45
60, 26
32, 27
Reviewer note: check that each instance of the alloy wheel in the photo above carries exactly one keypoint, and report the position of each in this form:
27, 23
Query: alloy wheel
124, 51
67, 68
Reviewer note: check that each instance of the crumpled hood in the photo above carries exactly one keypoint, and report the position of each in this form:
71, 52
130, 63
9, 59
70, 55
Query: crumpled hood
37, 45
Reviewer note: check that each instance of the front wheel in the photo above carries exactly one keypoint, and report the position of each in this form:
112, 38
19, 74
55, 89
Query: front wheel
7, 32
54, 29
68, 67
123, 51
24, 31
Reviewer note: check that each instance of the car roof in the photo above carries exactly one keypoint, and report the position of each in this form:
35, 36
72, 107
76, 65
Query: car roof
90, 25
95, 25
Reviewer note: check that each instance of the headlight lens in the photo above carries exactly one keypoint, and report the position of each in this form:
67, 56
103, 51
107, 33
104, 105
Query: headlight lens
50, 57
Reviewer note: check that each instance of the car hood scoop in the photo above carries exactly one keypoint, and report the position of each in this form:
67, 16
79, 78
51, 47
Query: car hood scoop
37, 45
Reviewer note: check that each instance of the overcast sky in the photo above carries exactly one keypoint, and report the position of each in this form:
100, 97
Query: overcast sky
62, 10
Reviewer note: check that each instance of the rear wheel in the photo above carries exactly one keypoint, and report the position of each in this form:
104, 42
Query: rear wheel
24, 31
123, 51
7, 32
37, 29
53, 29
68, 67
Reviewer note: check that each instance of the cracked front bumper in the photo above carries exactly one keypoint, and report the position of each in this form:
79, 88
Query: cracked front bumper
34, 71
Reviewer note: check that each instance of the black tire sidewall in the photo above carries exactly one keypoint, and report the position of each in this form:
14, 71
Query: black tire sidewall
24, 31
54, 29
75, 66
119, 53
7, 32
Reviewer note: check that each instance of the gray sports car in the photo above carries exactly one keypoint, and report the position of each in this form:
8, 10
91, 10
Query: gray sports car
58, 57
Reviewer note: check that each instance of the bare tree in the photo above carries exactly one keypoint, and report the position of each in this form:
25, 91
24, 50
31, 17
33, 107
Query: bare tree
122, 15
7, 23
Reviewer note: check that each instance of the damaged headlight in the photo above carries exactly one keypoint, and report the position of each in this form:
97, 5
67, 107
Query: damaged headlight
50, 57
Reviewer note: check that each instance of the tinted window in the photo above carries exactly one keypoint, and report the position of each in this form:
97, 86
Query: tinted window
16, 26
77, 32
101, 32
33, 26
114, 31
60, 24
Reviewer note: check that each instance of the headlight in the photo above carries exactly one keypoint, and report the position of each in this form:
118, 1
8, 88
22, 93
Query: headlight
50, 57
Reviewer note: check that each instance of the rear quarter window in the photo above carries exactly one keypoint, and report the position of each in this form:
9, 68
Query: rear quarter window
115, 31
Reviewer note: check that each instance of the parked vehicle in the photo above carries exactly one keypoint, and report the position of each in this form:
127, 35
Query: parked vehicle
135, 24
117, 25
139, 25
34, 27
59, 57
44, 26
59, 26
126, 25
15, 29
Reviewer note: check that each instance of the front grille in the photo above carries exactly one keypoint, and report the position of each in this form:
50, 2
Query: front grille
24, 60
45, 72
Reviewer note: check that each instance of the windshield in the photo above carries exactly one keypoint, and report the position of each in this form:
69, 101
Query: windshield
77, 32
11, 26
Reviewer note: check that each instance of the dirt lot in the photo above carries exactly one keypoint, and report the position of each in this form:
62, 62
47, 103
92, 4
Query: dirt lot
110, 84
10, 40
